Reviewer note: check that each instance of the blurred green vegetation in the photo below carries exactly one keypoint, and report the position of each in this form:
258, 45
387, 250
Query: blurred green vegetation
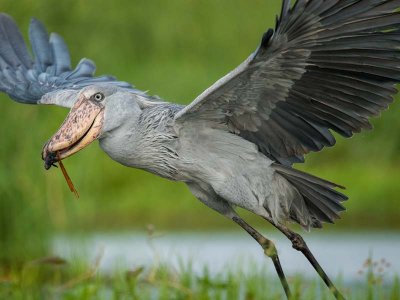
176, 49
55, 278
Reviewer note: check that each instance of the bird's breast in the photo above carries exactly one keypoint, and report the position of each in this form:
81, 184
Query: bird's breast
155, 153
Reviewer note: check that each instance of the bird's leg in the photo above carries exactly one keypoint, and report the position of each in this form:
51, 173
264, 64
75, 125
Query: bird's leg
300, 245
269, 250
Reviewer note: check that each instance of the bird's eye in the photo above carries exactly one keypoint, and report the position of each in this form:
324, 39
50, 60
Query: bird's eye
98, 96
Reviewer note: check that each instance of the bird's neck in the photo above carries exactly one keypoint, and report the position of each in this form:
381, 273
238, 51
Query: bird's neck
148, 143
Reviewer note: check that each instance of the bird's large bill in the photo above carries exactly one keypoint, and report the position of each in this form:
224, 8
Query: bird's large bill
81, 127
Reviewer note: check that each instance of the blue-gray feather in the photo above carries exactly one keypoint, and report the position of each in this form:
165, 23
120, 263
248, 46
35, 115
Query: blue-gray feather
26, 79
62, 60
41, 47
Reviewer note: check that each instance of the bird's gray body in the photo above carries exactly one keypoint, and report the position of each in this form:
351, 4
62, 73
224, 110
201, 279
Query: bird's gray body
150, 137
221, 169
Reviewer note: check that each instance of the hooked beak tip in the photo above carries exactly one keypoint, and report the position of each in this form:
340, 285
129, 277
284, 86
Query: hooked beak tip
49, 160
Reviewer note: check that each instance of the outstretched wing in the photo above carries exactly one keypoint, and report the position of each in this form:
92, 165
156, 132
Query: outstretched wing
27, 80
329, 65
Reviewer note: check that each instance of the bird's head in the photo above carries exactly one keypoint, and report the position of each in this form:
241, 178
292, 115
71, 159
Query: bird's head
97, 110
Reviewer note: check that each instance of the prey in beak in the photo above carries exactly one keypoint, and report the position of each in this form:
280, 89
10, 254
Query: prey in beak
81, 127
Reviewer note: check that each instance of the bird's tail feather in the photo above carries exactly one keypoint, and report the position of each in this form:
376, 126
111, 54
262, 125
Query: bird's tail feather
320, 197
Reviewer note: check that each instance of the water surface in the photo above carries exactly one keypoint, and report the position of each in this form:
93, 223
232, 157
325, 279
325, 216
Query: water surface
339, 253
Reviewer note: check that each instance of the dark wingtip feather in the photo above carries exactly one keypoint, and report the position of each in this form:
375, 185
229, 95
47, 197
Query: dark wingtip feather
285, 9
267, 38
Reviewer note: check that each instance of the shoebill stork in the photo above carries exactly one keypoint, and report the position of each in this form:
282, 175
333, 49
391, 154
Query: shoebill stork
328, 66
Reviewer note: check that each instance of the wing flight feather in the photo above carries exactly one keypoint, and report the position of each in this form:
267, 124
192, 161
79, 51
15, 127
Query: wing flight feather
329, 65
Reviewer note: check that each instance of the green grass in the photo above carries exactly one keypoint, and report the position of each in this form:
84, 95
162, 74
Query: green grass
55, 278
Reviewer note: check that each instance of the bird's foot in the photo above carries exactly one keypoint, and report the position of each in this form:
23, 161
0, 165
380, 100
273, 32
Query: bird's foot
298, 242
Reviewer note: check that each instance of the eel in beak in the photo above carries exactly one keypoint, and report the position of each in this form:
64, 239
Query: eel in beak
81, 127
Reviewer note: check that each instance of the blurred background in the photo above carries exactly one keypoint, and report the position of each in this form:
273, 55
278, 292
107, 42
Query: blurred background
174, 49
